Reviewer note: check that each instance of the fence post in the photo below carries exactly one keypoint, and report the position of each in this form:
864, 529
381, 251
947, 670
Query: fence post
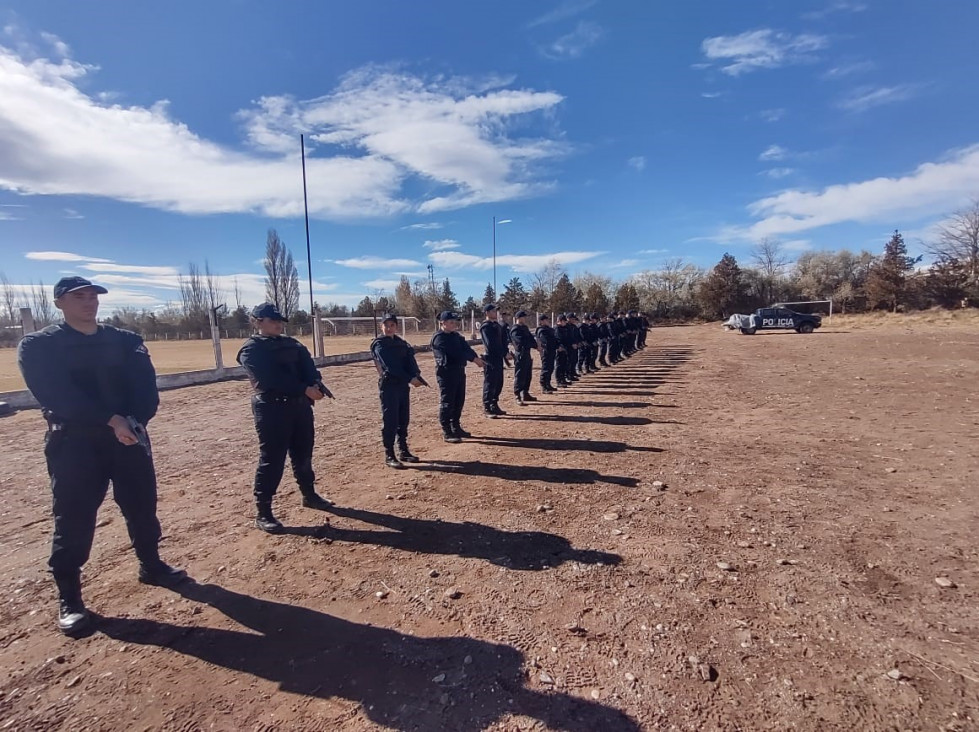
26, 321
216, 340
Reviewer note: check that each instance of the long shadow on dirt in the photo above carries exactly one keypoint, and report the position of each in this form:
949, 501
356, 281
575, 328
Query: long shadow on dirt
610, 405
587, 419
401, 682
557, 443
521, 550
523, 472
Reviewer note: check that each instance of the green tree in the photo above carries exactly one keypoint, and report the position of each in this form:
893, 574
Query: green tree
514, 296
565, 297
445, 298
887, 279
596, 301
365, 308
489, 295
404, 298
627, 297
723, 291
470, 305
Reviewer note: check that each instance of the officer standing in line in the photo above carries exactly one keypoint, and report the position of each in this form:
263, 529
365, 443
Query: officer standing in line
564, 350
452, 353
523, 362
643, 329
97, 388
547, 343
623, 334
632, 322
577, 367
286, 383
398, 371
604, 336
595, 336
495, 346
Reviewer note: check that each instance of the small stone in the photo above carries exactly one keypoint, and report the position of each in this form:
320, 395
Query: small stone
659, 485
631, 678
389, 497
895, 674
439, 679
611, 517
546, 678
944, 582
706, 671
381, 594
617, 532
744, 545
724, 566
433, 573
73, 681
891, 470
453, 593
596, 694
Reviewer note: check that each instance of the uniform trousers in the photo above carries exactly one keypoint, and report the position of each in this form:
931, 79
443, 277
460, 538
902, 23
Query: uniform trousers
561, 367
523, 366
285, 427
492, 381
452, 394
546, 368
81, 462
395, 412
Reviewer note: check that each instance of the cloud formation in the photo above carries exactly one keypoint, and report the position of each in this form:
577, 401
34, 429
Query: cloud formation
62, 257
567, 9
372, 262
378, 131
441, 245
523, 263
773, 152
573, 45
867, 97
932, 188
761, 49
637, 163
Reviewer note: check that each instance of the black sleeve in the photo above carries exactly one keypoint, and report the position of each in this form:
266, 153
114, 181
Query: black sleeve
307, 368
144, 397
466, 350
43, 366
260, 365
411, 364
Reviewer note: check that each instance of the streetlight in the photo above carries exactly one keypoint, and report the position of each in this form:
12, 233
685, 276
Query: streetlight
496, 292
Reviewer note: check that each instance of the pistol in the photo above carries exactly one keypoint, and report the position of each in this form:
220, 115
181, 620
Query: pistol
323, 390
143, 439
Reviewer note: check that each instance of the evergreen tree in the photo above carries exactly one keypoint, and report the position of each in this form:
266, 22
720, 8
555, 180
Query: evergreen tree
365, 308
596, 301
404, 298
887, 280
470, 305
490, 295
723, 291
565, 297
446, 298
514, 296
627, 297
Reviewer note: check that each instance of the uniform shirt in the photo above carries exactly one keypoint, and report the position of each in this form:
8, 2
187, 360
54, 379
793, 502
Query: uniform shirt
86, 379
396, 359
493, 334
565, 336
278, 365
451, 350
521, 338
575, 333
618, 326
547, 340
605, 330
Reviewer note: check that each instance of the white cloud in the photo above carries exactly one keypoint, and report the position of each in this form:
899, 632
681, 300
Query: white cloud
567, 9
71, 213
711, 95
866, 97
774, 152
930, 189
797, 245
637, 163
382, 284
421, 227
442, 245
62, 257
625, 263
379, 131
778, 173
7, 216
133, 268
516, 262
761, 49
573, 44
653, 251
837, 7
772, 115
373, 262
857, 67
58, 46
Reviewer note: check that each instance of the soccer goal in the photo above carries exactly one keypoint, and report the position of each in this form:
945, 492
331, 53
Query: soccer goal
366, 325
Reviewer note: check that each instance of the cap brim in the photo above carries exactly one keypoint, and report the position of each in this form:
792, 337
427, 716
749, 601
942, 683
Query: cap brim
98, 288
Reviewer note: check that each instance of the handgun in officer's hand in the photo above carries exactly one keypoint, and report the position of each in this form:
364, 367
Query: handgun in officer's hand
421, 381
323, 390
142, 439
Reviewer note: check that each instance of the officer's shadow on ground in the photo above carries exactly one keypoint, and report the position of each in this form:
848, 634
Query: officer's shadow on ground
587, 419
401, 682
557, 443
524, 472
610, 405
519, 550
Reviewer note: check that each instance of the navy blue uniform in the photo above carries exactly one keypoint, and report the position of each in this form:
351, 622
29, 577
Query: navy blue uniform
280, 370
494, 337
604, 335
547, 343
565, 342
452, 353
82, 381
395, 360
523, 362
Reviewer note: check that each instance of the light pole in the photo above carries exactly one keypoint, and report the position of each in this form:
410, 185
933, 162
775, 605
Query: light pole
496, 292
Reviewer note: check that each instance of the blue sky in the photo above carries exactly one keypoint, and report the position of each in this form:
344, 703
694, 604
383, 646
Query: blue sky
137, 137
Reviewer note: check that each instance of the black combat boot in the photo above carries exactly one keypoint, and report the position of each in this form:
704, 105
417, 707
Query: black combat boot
404, 454
459, 432
159, 573
265, 520
528, 398
312, 499
390, 460
73, 617
449, 435
497, 411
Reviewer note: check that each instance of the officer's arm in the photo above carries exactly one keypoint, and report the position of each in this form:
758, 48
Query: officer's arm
412, 364
388, 360
50, 385
485, 338
145, 397
260, 365
467, 351
310, 374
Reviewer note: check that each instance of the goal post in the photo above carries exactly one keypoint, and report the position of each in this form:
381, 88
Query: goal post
365, 325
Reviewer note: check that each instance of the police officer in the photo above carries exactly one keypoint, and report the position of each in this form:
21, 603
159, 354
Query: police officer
604, 338
398, 371
97, 389
495, 346
286, 383
577, 362
523, 362
564, 348
595, 337
452, 353
547, 344
643, 329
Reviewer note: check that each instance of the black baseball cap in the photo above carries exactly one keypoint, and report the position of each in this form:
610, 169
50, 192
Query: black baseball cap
267, 310
70, 284
389, 316
562, 316
520, 314
449, 315
544, 316
489, 306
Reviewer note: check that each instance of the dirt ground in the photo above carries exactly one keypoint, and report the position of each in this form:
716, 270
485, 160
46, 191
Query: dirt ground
536, 576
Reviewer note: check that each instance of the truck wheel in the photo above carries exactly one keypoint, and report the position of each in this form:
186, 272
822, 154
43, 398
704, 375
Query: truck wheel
748, 331
806, 328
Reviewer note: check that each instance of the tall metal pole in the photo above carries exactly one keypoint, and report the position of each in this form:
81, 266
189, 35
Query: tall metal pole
495, 293
309, 258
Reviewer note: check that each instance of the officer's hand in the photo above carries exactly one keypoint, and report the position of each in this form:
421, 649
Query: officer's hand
479, 362
417, 382
314, 393
120, 425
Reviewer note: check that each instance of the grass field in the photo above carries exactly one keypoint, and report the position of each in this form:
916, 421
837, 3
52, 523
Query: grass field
171, 357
